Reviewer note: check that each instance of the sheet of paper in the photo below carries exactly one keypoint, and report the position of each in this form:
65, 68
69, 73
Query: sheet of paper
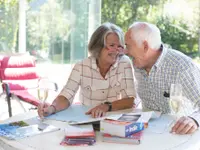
145, 116
160, 125
75, 114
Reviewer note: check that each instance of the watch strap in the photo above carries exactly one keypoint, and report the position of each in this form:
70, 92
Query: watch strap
109, 105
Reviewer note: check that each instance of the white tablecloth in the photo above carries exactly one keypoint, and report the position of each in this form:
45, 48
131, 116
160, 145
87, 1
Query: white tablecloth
150, 140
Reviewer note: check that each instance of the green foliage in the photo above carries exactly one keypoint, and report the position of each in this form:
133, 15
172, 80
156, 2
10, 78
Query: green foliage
8, 24
49, 27
124, 12
178, 34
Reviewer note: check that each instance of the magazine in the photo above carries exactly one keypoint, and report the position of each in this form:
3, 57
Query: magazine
22, 129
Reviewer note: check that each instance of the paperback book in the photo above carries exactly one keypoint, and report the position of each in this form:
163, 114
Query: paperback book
132, 139
79, 135
124, 126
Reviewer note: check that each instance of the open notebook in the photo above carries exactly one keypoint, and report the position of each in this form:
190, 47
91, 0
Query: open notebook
25, 128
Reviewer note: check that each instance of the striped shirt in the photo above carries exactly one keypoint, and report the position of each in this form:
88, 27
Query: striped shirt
171, 67
94, 89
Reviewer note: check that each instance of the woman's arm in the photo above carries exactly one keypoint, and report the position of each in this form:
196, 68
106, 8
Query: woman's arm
124, 103
60, 103
65, 98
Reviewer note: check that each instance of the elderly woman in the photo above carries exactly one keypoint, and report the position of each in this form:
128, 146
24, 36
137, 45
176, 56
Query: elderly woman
105, 78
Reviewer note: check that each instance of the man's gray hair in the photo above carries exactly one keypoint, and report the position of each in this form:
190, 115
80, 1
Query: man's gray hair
143, 31
98, 38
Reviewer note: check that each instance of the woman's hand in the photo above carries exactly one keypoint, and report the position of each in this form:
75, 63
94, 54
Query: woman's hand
98, 111
44, 109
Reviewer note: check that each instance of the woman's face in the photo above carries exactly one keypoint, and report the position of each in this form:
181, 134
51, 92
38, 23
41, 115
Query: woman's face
112, 49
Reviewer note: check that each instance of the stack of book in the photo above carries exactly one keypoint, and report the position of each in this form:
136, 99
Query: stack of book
127, 129
131, 139
79, 135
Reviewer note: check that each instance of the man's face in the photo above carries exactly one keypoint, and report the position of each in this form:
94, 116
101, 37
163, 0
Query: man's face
135, 52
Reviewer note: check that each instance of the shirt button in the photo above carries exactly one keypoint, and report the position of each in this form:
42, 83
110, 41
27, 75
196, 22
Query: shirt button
102, 91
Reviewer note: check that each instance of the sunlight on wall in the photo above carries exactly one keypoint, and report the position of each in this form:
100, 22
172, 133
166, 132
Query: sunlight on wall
180, 8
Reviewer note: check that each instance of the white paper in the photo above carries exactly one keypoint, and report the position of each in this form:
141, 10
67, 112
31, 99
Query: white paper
160, 125
75, 114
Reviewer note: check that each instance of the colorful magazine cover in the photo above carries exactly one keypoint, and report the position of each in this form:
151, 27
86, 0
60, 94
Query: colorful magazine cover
22, 129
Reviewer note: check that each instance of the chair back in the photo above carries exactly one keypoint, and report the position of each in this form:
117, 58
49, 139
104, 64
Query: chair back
19, 71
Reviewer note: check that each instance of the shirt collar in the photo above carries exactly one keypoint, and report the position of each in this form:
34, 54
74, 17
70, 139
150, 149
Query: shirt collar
161, 57
94, 63
159, 61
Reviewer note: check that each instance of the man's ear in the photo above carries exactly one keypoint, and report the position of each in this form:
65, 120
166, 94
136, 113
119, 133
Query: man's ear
146, 46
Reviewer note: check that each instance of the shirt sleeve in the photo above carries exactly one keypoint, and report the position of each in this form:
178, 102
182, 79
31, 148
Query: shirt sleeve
72, 85
127, 82
190, 80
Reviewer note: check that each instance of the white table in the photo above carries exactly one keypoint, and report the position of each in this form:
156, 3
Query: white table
150, 140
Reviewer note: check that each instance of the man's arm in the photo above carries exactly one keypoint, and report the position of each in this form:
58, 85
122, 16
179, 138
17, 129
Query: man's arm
190, 81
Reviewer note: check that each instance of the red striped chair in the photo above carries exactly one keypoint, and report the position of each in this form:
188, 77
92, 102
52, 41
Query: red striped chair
19, 77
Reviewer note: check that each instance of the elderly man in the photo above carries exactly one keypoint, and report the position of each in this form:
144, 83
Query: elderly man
156, 68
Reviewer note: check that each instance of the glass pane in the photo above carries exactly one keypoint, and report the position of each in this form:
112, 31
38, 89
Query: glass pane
8, 26
57, 30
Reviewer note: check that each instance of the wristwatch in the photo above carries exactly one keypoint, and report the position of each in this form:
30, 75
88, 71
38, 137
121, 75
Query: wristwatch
109, 105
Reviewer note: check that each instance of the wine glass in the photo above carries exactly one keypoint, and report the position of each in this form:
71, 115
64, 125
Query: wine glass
43, 91
176, 99
176, 102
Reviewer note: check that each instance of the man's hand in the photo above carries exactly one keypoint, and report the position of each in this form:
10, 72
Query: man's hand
185, 125
98, 111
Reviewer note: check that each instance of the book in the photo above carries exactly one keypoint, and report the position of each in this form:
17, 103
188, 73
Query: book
22, 129
74, 131
132, 139
79, 135
124, 126
77, 142
120, 128
127, 124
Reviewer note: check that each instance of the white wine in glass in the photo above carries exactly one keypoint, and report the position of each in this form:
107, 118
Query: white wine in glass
176, 98
43, 92
175, 104
42, 95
